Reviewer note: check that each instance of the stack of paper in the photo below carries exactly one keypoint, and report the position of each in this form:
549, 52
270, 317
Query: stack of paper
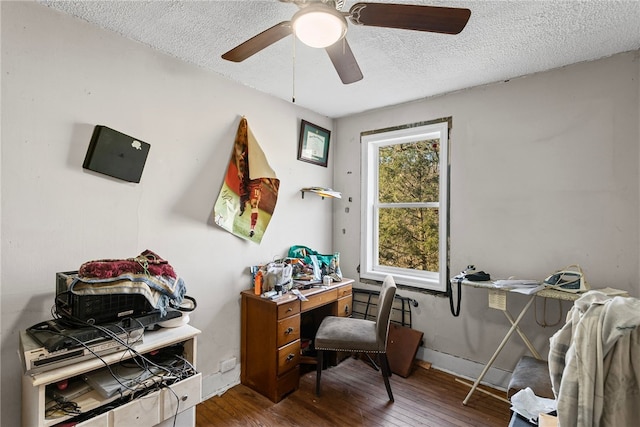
523, 286
515, 283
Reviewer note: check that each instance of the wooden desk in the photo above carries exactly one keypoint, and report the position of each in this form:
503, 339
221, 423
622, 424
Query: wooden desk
272, 330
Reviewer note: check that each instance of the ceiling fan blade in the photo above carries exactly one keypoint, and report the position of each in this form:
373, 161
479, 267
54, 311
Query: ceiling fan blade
446, 20
258, 42
344, 62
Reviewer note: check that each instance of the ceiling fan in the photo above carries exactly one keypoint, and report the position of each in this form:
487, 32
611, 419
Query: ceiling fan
321, 24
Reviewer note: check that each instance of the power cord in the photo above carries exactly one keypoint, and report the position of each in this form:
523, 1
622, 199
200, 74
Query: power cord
177, 370
544, 323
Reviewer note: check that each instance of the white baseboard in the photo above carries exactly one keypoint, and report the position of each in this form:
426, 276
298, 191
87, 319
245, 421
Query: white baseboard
463, 368
217, 383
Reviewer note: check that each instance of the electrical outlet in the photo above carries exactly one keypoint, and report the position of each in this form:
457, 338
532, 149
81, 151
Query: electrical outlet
227, 365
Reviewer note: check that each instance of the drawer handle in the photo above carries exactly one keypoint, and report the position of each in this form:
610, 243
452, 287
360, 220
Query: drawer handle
289, 309
290, 357
288, 331
184, 398
346, 309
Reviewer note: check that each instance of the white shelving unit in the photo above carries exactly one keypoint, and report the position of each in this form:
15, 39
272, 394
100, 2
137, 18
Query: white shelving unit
155, 409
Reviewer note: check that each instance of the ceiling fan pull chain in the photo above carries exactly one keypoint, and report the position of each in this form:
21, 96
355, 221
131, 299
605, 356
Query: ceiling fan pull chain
293, 66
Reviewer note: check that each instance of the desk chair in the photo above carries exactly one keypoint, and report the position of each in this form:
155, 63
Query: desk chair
359, 335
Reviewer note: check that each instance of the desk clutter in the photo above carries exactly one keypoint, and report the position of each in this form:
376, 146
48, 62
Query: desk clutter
302, 268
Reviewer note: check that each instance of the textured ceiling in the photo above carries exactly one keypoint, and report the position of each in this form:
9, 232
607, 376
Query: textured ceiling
503, 39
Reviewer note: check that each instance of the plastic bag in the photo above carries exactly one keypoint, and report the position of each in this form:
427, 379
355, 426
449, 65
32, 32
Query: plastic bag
278, 276
322, 264
304, 253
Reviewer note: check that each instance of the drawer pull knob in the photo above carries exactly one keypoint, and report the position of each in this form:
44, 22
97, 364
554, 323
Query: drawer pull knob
290, 357
346, 309
288, 331
290, 309
184, 398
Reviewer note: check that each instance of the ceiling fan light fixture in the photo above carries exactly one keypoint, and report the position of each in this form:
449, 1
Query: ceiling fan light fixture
319, 26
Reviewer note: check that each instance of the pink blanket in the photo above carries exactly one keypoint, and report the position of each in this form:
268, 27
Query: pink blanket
147, 262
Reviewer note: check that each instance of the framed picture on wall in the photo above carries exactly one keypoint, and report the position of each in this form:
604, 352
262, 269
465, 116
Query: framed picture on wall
313, 146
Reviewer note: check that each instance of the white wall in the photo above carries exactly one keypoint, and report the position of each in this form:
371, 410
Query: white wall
60, 78
544, 173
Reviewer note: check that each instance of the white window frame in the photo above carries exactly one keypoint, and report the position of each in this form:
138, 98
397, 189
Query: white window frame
371, 142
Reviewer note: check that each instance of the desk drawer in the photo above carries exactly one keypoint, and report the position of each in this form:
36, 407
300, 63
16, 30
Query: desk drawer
288, 357
288, 309
345, 306
288, 330
343, 291
319, 299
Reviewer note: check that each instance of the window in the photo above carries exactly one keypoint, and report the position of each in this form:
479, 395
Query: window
405, 199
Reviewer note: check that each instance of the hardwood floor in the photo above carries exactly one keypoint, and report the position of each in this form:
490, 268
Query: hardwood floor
353, 394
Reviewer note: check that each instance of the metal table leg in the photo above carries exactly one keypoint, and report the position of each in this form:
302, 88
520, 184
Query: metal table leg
514, 327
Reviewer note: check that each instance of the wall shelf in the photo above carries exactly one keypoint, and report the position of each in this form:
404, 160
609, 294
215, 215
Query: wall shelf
322, 192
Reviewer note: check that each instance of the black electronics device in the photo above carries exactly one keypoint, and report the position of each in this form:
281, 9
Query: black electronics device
61, 334
58, 342
116, 154
96, 308
37, 358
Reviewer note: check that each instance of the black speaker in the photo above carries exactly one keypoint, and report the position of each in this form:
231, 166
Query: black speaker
116, 154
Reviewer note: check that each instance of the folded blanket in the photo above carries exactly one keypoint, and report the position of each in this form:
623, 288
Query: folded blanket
147, 274
160, 291
147, 262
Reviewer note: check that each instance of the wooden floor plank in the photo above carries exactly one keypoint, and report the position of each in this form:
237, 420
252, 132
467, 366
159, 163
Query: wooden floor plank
353, 394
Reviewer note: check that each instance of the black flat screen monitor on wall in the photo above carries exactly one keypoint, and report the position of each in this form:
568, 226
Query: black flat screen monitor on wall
116, 154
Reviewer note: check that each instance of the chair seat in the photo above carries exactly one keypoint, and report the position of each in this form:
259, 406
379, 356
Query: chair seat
533, 373
347, 334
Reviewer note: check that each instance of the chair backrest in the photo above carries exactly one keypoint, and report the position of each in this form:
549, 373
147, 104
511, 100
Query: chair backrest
385, 301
